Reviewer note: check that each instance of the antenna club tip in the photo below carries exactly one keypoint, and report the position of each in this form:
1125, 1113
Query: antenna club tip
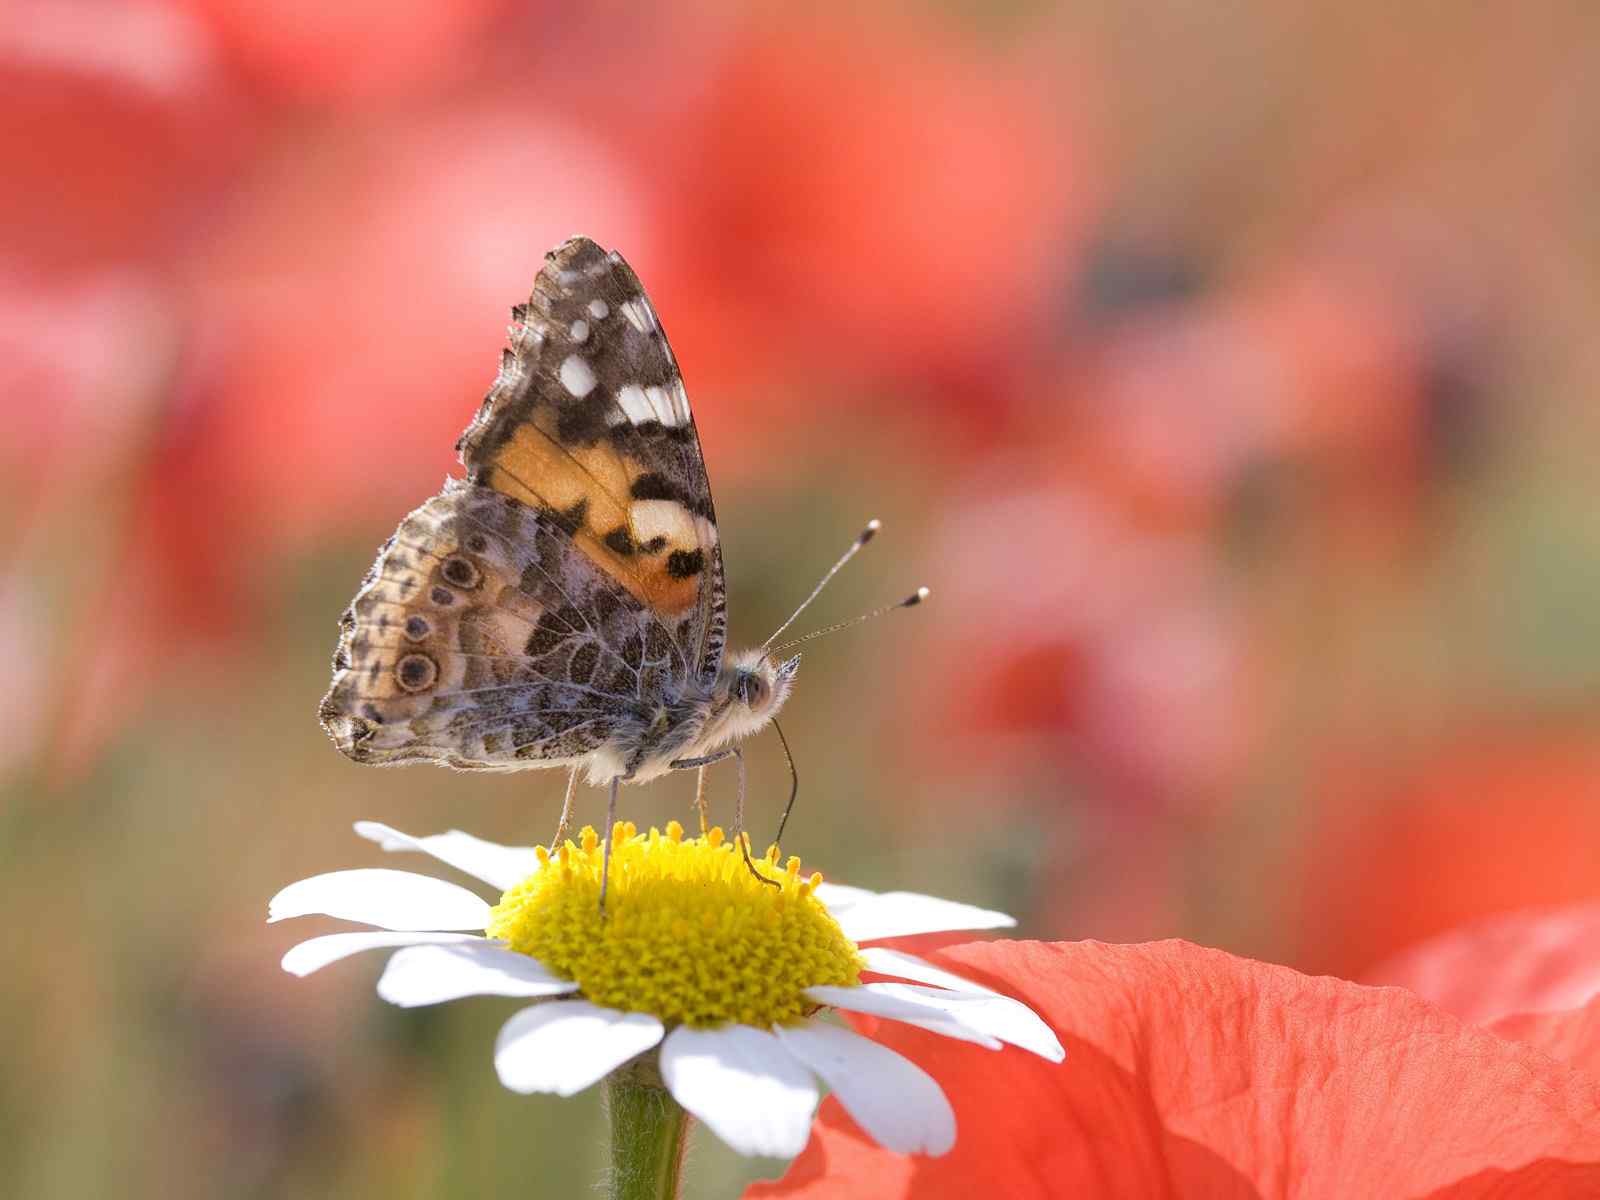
870, 532
917, 597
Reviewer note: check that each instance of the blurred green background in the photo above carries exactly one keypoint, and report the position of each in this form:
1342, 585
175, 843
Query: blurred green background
1226, 371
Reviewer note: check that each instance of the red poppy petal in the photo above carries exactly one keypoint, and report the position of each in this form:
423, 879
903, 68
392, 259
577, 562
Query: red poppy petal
1572, 1036
1522, 962
1495, 821
1190, 1072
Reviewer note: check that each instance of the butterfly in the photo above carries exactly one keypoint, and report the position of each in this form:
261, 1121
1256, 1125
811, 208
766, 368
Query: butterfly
563, 605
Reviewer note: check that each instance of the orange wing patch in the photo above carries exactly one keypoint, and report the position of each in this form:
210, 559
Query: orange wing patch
650, 546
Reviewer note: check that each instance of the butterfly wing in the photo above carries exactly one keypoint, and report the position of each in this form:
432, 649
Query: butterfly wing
539, 612
588, 421
483, 638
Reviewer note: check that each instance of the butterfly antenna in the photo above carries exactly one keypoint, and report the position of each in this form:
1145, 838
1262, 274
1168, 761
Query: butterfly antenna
911, 601
865, 536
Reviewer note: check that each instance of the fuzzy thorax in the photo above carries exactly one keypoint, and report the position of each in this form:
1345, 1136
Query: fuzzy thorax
746, 695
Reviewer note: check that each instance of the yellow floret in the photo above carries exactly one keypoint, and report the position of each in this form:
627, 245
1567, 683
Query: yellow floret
688, 935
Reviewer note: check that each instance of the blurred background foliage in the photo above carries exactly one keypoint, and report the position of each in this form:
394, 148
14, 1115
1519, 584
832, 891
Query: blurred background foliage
1227, 372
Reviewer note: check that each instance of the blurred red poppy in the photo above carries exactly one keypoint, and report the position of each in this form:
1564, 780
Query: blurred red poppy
354, 50
1534, 960
1533, 976
857, 199
352, 310
1480, 827
116, 132
1133, 651
1193, 1073
1123, 654
1572, 1035
1309, 366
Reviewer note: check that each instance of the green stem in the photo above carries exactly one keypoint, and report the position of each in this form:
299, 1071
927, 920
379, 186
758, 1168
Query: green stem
649, 1133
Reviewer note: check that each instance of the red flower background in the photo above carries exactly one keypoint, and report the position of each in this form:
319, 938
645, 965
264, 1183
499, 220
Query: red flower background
1197, 1074
1228, 380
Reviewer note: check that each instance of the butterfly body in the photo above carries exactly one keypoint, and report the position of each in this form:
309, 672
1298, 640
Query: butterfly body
563, 605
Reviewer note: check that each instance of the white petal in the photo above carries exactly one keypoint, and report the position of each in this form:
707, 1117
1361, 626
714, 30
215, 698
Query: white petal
744, 1085
885, 961
387, 899
901, 914
892, 1098
868, 999
318, 952
565, 1046
836, 897
433, 974
501, 867
986, 1012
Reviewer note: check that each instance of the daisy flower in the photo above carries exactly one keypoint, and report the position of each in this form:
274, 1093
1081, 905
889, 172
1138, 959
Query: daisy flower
697, 978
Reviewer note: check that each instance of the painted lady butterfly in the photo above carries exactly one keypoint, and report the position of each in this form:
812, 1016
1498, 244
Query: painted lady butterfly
563, 605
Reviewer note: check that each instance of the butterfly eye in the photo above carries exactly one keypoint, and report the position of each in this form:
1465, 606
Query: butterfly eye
752, 690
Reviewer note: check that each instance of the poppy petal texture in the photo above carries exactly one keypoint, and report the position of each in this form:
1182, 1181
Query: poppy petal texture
1572, 1036
1190, 1072
1532, 976
1522, 962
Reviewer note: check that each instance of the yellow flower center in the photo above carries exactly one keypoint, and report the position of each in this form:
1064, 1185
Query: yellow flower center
687, 935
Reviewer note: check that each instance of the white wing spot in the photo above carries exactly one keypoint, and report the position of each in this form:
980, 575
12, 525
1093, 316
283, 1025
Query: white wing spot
631, 398
661, 406
567, 278
680, 402
639, 313
599, 310
577, 376
662, 518
580, 331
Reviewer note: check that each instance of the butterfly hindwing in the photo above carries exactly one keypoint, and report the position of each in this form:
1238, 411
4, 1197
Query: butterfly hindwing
483, 637
588, 422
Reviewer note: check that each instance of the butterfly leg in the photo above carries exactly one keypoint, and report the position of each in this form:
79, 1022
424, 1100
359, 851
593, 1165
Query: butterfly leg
737, 754
566, 812
704, 761
738, 824
700, 800
605, 851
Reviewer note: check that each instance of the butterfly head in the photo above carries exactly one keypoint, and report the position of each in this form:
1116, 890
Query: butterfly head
752, 688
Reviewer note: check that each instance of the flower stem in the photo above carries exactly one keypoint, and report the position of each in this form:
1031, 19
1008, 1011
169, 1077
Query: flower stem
649, 1133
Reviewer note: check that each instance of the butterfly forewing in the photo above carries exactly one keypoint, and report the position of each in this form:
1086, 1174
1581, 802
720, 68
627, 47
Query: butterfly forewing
589, 420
